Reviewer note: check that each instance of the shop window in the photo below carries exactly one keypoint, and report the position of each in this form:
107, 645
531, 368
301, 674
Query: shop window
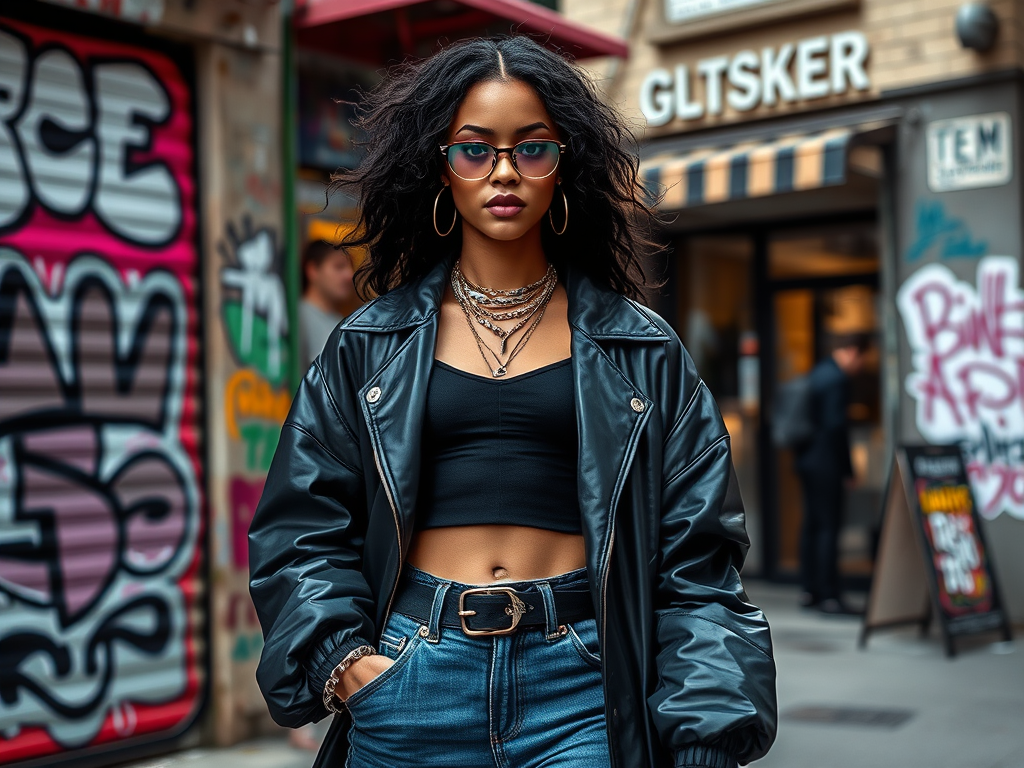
714, 277
328, 90
825, 287
715, 307
829, 252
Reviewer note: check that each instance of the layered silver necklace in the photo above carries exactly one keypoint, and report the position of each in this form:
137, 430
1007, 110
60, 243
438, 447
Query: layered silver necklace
486, 306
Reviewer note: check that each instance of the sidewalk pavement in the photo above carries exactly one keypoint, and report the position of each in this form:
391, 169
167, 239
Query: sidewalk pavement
900, 703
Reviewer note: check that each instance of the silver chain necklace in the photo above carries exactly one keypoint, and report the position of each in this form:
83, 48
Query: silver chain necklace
519, 303
533, 299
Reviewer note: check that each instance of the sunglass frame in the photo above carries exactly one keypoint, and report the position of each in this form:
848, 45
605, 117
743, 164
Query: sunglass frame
497, 153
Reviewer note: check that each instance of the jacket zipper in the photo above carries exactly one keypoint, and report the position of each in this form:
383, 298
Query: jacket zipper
604, 588
604, 621
605, 575
398, 525
398, 528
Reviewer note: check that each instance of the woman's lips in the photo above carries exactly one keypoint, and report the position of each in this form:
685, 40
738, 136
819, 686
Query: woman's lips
504, 206
504, 211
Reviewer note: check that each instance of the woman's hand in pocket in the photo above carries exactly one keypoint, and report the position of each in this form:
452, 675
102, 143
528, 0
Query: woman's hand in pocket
360, 673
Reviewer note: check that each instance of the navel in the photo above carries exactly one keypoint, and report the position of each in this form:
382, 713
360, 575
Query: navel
499, 573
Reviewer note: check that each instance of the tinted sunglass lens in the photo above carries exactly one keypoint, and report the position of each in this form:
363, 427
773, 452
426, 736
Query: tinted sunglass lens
536, 158
471, 161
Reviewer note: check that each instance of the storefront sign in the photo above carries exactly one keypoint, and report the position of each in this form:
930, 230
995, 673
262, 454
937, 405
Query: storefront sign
969, 152
685, 10
810, 69
951, 531
930, 500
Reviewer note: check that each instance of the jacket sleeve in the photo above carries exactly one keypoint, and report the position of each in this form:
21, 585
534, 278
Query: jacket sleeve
305, 552
715, 702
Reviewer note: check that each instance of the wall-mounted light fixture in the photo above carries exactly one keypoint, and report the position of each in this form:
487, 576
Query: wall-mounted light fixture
976, 26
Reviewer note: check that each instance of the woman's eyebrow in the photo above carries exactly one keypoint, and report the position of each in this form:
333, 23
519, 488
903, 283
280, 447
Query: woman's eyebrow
532, 127
476, 129
490, 131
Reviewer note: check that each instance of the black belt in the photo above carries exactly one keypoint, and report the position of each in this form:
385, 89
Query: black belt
493, 610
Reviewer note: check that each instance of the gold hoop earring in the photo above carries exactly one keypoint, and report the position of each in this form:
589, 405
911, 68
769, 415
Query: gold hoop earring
565, 202
436, 201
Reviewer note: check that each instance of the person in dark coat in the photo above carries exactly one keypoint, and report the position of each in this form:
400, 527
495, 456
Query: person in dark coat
824, 467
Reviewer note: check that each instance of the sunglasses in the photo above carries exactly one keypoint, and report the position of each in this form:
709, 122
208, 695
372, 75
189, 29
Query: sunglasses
474, 160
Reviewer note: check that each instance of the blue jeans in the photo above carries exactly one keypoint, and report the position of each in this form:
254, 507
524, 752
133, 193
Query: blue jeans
533, 698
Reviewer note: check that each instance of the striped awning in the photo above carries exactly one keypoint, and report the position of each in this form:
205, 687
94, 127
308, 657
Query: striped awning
751, 169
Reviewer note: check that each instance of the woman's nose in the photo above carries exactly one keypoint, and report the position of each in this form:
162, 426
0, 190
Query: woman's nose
504, 169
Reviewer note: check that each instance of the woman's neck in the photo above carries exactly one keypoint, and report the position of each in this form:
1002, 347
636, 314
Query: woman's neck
502, 264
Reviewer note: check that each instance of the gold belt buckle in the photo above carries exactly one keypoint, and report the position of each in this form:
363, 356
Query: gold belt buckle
516, 609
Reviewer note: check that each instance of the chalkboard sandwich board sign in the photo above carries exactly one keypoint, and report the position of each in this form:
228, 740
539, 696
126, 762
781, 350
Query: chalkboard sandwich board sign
932, 558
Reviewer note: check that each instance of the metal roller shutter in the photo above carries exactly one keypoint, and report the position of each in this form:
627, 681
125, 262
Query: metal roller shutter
101, 500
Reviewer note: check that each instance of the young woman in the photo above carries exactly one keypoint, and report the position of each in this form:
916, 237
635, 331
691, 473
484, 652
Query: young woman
501, 527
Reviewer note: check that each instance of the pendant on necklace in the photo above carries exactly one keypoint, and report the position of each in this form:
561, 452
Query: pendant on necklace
499, 372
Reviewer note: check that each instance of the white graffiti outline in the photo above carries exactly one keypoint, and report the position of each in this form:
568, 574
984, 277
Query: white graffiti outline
166, 674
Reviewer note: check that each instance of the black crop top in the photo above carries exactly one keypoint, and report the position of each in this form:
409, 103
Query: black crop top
500, 451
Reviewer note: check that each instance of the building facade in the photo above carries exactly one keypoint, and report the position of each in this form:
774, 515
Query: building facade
836, 166
144, 369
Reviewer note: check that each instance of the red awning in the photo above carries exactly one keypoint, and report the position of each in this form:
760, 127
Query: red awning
381, 31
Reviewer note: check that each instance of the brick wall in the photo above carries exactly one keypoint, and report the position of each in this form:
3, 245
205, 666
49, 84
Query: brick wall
913, 42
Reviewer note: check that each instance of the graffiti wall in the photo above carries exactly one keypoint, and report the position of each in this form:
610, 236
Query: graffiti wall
101, 503
967, 342
257, 396
250, 362
954, 312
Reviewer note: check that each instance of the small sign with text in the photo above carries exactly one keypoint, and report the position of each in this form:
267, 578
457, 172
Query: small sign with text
970, 152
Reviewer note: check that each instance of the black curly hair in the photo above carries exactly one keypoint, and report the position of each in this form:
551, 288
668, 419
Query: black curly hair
407, 117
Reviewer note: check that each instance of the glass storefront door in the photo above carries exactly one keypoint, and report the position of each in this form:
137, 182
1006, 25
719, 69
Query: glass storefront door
822, 286
715, 317
756, 308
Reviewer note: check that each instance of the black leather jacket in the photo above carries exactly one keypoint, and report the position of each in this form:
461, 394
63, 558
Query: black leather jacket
688, 671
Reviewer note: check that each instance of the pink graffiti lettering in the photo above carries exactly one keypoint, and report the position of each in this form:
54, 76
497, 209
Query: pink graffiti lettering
950, 328
243, 496
241, 613
1001, 484
100, 521
968, 370
94, 136
137, 519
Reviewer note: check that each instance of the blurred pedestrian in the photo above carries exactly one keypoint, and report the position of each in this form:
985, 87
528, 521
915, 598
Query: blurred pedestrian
328, 288
824, 466
502, 523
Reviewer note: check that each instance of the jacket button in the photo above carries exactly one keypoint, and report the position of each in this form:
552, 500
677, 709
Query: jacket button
637, 405
373, 395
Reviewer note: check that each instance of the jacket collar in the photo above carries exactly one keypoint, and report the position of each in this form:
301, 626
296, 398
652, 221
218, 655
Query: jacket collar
598, 312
